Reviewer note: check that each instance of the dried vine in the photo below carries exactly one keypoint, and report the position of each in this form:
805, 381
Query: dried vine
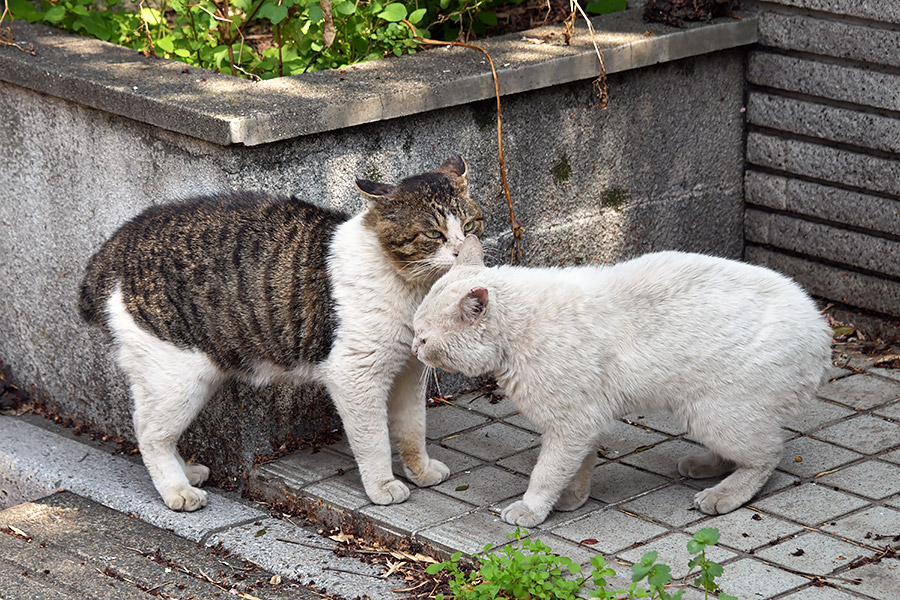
515, 254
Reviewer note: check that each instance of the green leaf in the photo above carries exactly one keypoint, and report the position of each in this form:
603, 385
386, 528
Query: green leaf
260, 533
393, 12
167, 44
55, 14
22, 9
841, 330
488, 18
345, 8
708, 536
605, 7
445, 4
273, 12
416, 15
434, 568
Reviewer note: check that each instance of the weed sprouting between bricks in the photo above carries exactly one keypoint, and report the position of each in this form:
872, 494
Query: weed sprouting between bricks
527, 568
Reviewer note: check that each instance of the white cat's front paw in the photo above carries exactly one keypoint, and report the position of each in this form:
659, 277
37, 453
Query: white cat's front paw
717, 502
196, 474
185, 499
519, 513
434, 473
392, 492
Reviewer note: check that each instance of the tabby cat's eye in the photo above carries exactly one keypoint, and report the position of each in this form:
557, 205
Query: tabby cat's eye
468, 226
433, 234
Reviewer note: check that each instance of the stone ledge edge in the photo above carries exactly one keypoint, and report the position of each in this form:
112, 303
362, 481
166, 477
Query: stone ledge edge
226, 110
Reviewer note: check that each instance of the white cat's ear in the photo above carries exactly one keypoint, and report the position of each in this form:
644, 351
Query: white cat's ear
373, 189
472, 305
455, 165
470, 252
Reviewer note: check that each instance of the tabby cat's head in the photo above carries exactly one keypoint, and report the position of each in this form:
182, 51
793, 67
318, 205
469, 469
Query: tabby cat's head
422, 221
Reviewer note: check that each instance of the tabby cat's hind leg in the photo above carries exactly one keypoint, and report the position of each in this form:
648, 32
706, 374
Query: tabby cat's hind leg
169, 386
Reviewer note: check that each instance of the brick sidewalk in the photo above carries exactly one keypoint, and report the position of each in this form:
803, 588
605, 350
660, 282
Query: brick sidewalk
830, 508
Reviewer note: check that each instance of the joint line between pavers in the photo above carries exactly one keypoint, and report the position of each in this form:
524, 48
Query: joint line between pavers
217, 530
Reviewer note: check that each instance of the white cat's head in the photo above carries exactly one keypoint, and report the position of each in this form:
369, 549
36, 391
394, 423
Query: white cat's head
451, 323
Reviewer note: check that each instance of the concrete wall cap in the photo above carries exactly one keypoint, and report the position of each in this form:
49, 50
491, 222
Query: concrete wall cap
227, 110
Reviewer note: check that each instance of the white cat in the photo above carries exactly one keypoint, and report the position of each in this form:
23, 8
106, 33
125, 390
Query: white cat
730, 349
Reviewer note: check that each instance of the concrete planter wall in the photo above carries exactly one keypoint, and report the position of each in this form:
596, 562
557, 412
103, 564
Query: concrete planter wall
823, 149
94, 133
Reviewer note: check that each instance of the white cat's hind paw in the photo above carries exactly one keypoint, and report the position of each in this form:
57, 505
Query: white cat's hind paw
571, 499
434, 473
196, 474
185, 499
392, 492
519, 513
703, 466
717, 502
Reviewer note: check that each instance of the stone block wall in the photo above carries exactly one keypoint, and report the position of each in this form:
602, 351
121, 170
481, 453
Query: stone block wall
822, 183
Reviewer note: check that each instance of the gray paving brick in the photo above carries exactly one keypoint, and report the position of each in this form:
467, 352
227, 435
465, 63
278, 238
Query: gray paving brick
891, 456
819, 592
893, 374
861, 391
613, 530
344, 492
661, 421
424, 508
893, 501
877, 580
815, 457
492, 406
672, 551
672, 505
523, 462
614, 482
469, 533
811, 553
746, 530
484, 486
872, 479
442, 421
817, 414
621, 439
864, 433
520, 420
306, 466
493, 442
663, 458
810, 504
874, 526
891, 411
749, 578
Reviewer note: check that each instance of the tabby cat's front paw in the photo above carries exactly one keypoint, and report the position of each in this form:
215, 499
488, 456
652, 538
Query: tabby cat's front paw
392, 492
196, 474
714, 501
433, 473
185, 499
519, 513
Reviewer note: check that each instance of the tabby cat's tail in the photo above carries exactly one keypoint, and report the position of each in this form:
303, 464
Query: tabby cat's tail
96, 287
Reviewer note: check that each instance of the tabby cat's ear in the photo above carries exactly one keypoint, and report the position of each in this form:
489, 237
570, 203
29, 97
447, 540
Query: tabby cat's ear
470, 252
373, 189
455, 165
472, 305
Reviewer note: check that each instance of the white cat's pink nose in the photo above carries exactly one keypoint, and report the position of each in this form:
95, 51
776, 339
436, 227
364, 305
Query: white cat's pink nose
417, 344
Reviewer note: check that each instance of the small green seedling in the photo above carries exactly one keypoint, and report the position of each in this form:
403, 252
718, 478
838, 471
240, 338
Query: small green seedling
527, 569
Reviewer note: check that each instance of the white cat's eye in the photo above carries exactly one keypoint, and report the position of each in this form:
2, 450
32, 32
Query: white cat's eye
433, 234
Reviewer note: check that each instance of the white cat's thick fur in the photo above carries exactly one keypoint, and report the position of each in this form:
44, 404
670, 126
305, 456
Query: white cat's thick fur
730, 349
371, 376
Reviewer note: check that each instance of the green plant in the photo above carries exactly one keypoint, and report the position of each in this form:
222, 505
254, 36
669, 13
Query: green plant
262, 39
528, 569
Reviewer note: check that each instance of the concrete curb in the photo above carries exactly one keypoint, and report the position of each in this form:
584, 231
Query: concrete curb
35, 462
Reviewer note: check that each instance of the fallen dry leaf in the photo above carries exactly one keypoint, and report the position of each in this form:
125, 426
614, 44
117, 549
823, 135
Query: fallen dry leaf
889, 361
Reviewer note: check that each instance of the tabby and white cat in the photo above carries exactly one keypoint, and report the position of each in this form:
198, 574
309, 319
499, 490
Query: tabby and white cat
732, 350
271, 289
